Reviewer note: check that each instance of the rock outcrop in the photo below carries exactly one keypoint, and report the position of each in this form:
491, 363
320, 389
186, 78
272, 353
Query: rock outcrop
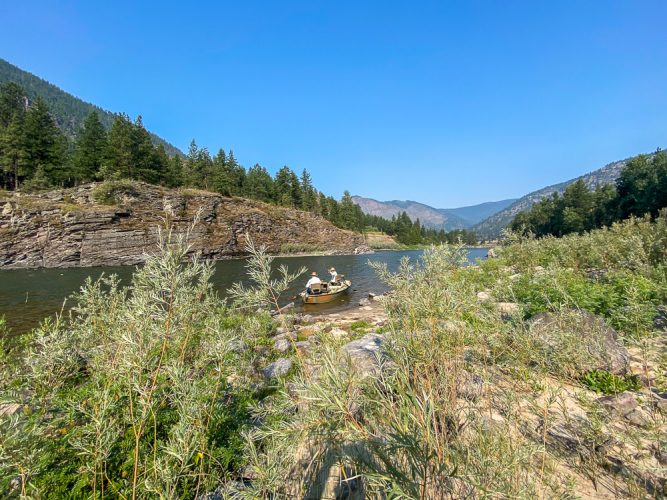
68, 228
599, 339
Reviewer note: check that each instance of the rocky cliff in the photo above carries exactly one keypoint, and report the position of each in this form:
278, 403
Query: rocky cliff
93, 225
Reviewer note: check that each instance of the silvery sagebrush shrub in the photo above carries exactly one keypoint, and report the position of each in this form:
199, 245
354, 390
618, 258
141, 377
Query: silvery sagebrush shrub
137, 393
407, 431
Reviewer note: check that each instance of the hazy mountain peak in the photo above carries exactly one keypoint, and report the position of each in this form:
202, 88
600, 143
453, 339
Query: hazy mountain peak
438, 218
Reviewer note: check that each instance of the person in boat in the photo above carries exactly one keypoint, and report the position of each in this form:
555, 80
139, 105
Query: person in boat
334, 275
314, 280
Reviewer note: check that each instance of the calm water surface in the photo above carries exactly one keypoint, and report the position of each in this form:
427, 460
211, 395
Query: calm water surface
29, 295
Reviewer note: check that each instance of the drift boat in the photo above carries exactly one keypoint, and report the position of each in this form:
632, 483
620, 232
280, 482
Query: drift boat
326, 292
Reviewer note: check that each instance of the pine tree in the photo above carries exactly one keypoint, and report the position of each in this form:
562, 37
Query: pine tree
348, 219
12, 102
12, 152
322, 207
258, 184
283, 187
309, 200
222, 178
121, 149
146, 162
45, 145
174, 177
236, 174
296, 193
91, 149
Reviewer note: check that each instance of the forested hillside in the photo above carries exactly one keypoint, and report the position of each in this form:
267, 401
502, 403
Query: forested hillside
493, 225
68, 111
640, 189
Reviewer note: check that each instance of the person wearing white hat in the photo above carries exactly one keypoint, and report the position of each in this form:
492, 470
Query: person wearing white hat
312, 281
334, 275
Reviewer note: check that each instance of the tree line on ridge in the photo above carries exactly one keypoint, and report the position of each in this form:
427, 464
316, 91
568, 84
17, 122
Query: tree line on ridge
640, 189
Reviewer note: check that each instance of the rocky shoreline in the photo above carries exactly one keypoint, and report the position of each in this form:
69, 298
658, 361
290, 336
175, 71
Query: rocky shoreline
75, 228
362, 335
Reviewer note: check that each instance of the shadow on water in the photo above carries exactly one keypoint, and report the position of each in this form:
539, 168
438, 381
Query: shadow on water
29, 295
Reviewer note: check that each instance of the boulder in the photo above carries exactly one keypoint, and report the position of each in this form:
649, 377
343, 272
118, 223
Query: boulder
237, 346
363, 250
619, 404
278, 368
303, 346
366, 355
660, 319
625, 405
338, 332
286, 336
282, 345
306, 319
364, 302
470, 386
484, 296
508, 308
598, 338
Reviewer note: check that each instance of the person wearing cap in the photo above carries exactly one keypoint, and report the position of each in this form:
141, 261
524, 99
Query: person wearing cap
334, 275
312, 281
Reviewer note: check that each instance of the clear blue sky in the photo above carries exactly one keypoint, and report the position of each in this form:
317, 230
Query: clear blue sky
448, 103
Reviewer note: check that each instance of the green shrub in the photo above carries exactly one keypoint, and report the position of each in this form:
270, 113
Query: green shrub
385, 245
288, 248
140, 392
360, 325
110, 192
608, 383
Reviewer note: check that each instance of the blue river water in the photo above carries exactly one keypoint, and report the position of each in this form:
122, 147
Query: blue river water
29, 295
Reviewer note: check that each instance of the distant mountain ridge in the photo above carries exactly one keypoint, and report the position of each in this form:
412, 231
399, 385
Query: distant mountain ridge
69, 111
492, 226
486, 219
430, 217
476, 213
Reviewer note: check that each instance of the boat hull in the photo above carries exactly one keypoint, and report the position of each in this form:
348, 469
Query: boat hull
324, 298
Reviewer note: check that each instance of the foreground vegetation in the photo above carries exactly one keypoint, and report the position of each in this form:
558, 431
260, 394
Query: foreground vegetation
470, 399
487, 382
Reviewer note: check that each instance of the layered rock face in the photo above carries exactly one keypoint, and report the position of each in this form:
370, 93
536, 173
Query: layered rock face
67, 228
